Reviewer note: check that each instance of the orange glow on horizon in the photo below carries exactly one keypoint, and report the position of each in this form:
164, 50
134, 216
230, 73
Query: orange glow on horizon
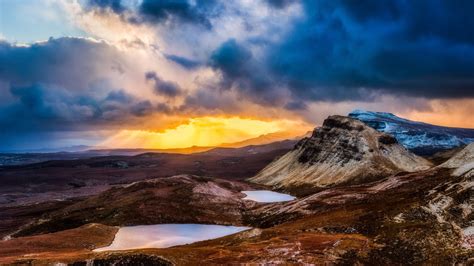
449, 113
204, 132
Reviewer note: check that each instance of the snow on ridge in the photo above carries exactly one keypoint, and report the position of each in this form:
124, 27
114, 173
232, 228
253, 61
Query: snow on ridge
361, 114
415, 135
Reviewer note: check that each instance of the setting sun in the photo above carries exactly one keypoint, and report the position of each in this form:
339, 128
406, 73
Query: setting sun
204, 132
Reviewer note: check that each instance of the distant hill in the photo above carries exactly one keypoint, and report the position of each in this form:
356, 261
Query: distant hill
257, 141
62, 178
267, 142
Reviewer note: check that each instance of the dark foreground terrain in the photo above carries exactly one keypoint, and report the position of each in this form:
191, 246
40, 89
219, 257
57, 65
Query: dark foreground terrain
392, 221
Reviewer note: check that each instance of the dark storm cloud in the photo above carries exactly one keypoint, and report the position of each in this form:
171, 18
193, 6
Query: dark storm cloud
183, 61
66, 62
296, 106
197, 12
62, 85
337, 50
353, 50
241, 72
119, 96
40, 116
46, 108
142, 108
232, 59
29, 110
280, 3
163, 87
115, 5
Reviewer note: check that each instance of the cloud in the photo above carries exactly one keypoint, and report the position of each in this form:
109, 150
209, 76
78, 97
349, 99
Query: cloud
52, 108
171, 12
333, 51
210, 99
231, 58
343, 49
67, 62
240, 71
258, 58
67, 85
296, 106
183, 61
114, 5
351, 50
119, 96
142, 108
163, 87
280, 3
178, 11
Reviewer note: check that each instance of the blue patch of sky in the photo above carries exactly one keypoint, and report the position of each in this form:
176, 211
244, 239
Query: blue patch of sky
26, 21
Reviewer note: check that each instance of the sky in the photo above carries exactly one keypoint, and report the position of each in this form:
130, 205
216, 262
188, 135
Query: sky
181, 73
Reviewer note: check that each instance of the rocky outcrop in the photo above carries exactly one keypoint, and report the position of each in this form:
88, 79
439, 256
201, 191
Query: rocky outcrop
462, 162
343, 150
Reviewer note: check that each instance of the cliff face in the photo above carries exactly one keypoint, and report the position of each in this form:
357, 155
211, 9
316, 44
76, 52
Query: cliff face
343, 150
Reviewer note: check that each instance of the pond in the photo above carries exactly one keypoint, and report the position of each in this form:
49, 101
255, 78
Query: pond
267, 196
167, 235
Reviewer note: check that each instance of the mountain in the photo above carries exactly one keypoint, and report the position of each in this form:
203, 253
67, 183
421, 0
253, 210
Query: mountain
420, 138
343, 150
137, 151
284, 145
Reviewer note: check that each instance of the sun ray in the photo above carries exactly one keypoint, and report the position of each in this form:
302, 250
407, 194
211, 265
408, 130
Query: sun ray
204, 132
